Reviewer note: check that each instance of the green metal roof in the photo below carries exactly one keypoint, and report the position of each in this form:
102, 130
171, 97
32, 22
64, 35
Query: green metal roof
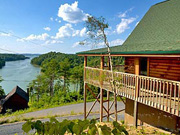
157, 33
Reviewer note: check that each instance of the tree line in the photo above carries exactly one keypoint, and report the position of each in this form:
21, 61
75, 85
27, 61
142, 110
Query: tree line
10, 57
58, 70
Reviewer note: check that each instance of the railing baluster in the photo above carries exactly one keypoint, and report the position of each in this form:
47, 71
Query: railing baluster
139, 89
142, 86
170, 110
148, 90
178, 98
124, 85
160, 88
164, 84
143, 92
167, 92
128, 85
153, 91
145, 96
121, 84
175, 85
157, 92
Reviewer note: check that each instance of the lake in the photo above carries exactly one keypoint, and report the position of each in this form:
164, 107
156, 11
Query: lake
21, 73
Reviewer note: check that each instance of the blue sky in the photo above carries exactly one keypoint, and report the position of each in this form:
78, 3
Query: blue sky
40, 26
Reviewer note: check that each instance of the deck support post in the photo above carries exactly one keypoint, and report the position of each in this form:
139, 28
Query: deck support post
85, 85
108, 94
137, 69
101, 89
108, 98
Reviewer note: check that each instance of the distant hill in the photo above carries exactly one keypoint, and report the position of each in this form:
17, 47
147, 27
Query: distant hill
11, 57
73, 58
44, 58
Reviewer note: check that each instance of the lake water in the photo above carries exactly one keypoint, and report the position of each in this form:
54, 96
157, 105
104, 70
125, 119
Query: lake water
21, 73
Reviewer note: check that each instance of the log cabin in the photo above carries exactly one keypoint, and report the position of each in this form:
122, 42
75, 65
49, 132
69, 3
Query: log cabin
15, 100
150, 82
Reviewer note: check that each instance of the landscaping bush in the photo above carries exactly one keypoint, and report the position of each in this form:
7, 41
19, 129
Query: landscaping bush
74, 127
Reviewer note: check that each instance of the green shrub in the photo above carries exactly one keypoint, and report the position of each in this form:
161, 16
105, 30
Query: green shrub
75, 127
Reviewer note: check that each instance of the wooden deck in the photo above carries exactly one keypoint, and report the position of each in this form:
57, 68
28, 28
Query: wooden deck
155, 92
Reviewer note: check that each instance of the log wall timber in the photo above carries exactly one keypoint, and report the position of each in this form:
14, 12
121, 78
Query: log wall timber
166, 68
129, 65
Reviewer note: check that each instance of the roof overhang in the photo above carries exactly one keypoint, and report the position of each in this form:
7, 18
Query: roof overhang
135, 54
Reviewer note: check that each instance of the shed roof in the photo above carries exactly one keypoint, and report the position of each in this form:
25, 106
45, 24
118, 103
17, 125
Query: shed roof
157, 33
16, 90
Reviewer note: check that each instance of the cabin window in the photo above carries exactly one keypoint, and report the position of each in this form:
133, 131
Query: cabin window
143, 66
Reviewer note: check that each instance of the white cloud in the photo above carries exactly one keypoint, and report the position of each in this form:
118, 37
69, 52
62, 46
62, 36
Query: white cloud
5, 34
68, 31
53, 42
124, 24
83, 32
51, 19
59, 21
64, 31
71, 13
124, 14
31, 37
47, 28
117, 42
75, 44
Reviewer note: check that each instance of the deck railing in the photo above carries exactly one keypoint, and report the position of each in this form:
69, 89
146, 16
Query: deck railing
155, 92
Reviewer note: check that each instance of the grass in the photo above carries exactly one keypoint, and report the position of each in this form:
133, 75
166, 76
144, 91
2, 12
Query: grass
20, 118
38, 109
17, 116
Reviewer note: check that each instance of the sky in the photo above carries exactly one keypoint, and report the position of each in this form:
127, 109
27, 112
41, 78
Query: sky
41, 26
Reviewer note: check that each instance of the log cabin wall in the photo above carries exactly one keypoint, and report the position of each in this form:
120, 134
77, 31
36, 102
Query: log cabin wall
166, 68
129, 65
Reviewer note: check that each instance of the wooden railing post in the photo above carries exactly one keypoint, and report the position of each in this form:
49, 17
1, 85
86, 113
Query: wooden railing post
101, 89
85, 85
136, 64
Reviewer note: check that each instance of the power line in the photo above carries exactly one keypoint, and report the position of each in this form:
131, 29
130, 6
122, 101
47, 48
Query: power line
25, 40
7, 50
15, 81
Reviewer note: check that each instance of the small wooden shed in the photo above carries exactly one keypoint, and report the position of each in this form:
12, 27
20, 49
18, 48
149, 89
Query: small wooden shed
151, 78
17, 99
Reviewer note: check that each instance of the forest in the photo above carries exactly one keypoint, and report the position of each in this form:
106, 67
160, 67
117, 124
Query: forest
2, 63
10, 57
58, 70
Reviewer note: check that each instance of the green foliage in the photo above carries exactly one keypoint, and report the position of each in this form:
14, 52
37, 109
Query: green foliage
45, 58
2, 63
96, 27
59, 98
10, 57
58, 70
75, 127
2, 93
118, 129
